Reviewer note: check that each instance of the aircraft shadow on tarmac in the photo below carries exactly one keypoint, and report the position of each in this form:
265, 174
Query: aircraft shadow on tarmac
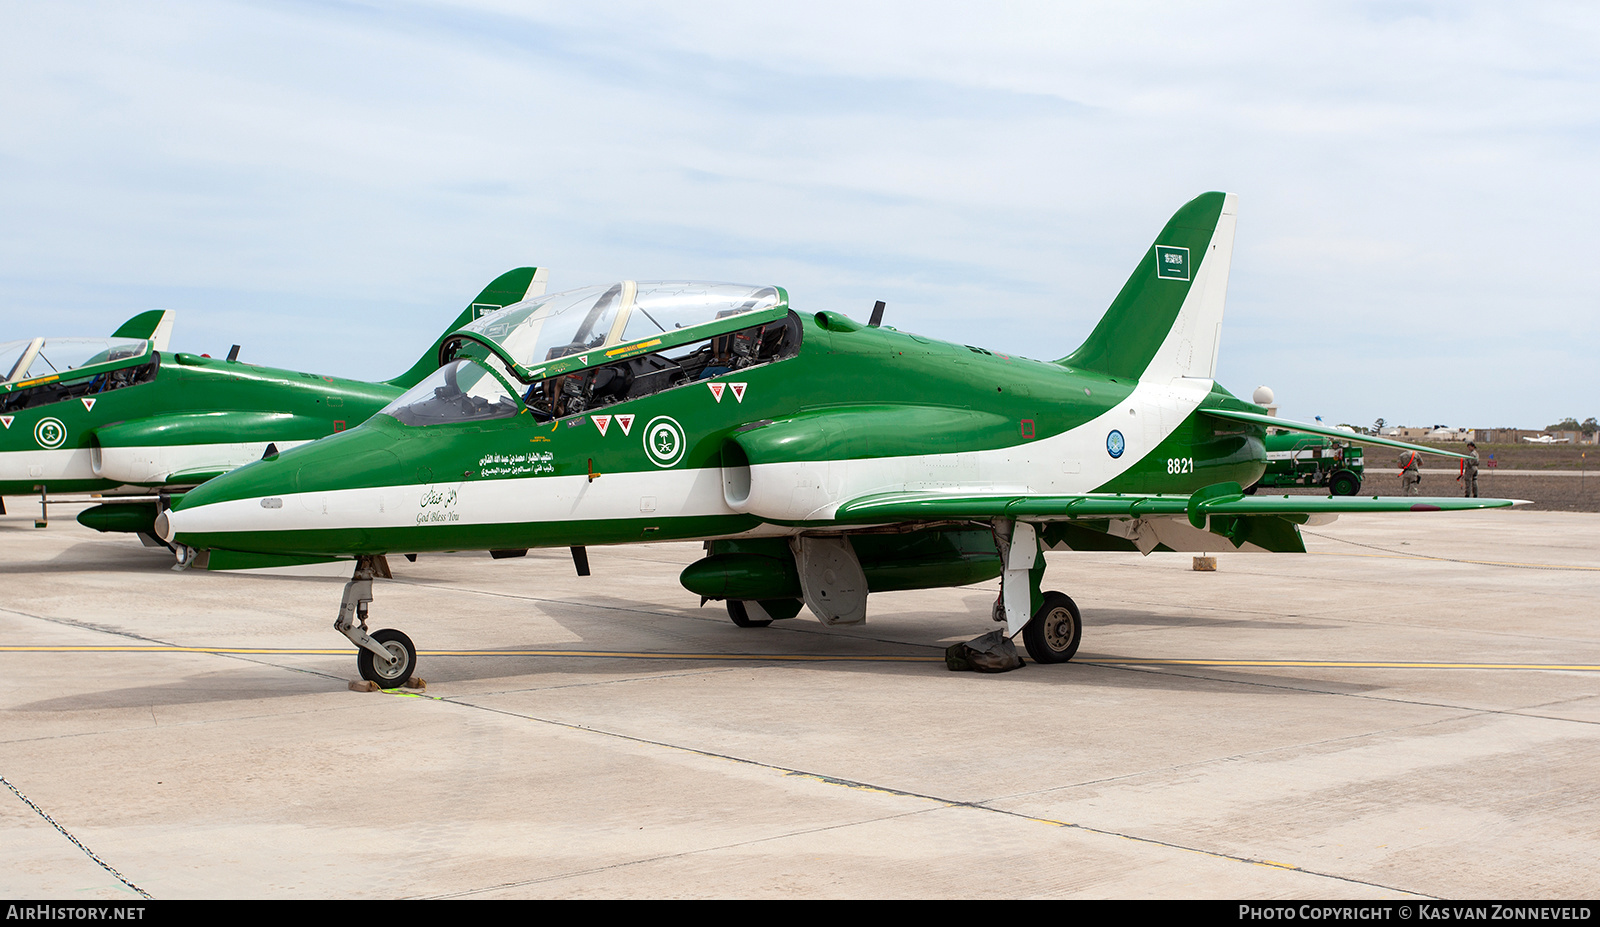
258, 683
90, 557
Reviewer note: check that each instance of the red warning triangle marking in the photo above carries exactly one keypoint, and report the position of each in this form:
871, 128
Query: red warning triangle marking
738, 390
716, 389
601, 422
626, 423
6, 419
88, 403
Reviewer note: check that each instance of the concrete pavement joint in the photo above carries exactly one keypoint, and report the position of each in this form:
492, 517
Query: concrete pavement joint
1406, 555
74, 840
880, 789
1519, 713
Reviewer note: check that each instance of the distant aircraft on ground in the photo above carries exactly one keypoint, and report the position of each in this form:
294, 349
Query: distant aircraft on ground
1546, 439
124, 417
822, 459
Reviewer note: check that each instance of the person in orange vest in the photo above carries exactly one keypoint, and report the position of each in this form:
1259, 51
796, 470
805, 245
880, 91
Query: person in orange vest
1469, 472
1410, 472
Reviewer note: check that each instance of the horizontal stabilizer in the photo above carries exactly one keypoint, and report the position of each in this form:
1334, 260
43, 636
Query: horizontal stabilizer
1273, 421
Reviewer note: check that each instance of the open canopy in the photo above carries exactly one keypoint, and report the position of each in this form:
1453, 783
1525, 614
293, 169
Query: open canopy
43, 357
535, 333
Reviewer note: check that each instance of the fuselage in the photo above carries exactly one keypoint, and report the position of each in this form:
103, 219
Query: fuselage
770, 448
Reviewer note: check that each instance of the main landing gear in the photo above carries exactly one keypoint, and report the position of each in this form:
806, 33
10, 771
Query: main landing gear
1054, 630
1053, 633
387, 657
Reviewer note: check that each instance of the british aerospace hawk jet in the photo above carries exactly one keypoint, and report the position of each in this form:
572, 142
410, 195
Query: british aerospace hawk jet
821, 458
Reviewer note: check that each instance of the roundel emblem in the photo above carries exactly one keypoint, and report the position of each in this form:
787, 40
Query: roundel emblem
1114, 443
50, 433
663, 441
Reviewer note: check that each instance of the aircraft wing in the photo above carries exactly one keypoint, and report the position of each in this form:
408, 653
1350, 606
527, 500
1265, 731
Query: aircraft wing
1225, 499
1204, 521
1325, 431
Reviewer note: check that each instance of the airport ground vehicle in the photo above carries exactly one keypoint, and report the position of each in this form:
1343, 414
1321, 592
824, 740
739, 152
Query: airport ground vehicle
1295, 459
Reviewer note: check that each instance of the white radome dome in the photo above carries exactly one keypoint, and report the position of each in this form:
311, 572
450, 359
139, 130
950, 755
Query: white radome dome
1262, 396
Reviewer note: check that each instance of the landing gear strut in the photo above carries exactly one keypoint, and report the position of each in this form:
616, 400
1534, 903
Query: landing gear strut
387, 657
1055, 628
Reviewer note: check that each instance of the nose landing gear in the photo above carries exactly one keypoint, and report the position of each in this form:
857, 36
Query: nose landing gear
387, 657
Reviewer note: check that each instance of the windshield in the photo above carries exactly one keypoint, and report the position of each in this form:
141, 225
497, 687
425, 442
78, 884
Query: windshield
38, 357
460, 391
550, 327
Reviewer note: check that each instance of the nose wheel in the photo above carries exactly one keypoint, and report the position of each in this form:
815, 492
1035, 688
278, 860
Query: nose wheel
397, 669
386, 657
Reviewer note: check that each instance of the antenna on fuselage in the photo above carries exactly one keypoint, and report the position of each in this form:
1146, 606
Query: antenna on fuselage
877, 315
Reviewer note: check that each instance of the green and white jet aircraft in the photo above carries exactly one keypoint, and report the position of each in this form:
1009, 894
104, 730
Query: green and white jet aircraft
822, 459
124, 417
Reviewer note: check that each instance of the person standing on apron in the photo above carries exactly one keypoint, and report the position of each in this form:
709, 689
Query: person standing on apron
1410, 472
1469, 472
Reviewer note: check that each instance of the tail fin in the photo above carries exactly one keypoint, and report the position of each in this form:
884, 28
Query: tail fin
154, 325
513, 286
1167, 321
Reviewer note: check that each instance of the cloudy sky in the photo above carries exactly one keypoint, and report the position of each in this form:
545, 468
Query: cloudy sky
329, 183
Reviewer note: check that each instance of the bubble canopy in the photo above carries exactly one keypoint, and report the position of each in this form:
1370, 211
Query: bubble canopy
564, 331
41, 357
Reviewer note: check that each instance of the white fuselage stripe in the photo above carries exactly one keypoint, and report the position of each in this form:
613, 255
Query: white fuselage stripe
1076, 461
150, 464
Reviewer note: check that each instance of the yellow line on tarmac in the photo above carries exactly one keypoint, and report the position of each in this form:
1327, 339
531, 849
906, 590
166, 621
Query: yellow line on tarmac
1344, 664
624, 654
799, 658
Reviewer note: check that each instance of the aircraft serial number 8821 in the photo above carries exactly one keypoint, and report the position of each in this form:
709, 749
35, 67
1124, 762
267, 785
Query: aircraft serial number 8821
822, 459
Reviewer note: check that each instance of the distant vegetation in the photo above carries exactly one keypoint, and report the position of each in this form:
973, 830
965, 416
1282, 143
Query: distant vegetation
1588, 427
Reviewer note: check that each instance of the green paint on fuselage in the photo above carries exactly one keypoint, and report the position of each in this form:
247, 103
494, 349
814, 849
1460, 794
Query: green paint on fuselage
175, 400
192, 400
855, 394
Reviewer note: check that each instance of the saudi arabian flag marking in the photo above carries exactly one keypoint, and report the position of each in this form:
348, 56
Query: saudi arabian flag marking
50, 433
1172, 263
663, 441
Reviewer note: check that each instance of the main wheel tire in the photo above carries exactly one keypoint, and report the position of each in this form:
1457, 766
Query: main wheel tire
1052, 636
391, 675
1344, 483
741, 615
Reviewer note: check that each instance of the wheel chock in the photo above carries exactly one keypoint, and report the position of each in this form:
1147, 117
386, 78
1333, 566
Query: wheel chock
1205, 564
367, 685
